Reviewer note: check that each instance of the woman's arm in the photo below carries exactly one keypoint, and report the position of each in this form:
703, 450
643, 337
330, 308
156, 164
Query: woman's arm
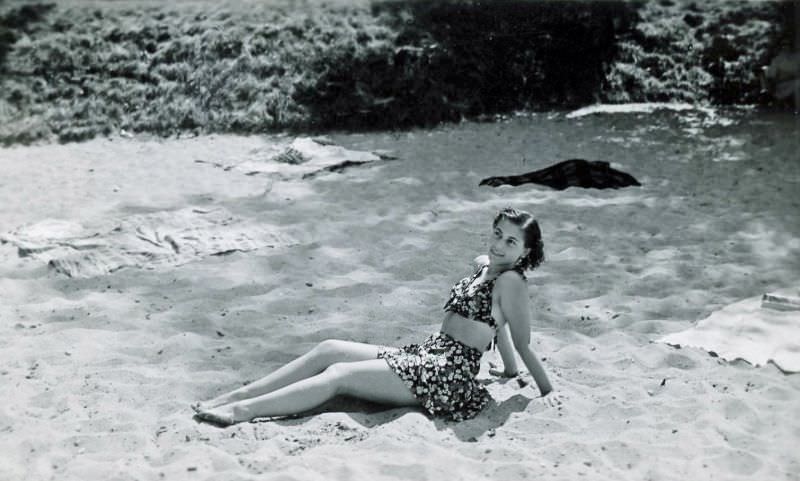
516, 311
506, 348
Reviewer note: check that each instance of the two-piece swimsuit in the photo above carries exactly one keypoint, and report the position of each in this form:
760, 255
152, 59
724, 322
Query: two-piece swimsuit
441, 372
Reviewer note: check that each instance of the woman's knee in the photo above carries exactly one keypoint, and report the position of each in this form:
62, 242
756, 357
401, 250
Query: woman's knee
334, 350
339, 375
369, 380
329, 350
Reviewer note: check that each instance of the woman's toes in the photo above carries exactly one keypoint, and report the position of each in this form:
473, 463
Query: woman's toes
216, 418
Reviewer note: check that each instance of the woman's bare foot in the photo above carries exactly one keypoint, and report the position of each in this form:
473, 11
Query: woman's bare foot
218, 401
220, 416
215, 403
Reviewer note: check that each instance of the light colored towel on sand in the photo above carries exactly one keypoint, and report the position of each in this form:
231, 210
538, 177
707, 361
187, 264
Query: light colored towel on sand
303, 157
759, 330
158, 239
635, 108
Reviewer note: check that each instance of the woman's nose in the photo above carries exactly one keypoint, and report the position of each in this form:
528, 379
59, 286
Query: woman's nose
497, 247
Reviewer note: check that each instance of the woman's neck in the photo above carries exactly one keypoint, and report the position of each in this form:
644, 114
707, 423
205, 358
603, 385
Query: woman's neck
493, 270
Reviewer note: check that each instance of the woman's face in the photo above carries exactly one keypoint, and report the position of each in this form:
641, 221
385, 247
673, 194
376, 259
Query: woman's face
507, 244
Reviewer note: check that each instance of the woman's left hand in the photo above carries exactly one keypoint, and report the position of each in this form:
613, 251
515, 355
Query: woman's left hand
502, 373
495, 370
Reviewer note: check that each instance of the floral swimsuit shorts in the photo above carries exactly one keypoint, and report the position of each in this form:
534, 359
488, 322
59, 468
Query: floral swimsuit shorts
441, 373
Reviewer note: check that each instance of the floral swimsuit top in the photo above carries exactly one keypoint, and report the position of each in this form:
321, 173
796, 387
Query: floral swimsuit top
476, 305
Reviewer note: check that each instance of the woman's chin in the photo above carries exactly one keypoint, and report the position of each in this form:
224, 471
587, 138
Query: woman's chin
499, 263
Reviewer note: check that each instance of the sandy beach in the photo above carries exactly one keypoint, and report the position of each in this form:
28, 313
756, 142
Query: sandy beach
98, 372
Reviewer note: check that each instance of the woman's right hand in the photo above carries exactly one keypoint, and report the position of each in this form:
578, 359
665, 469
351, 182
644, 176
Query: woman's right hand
553, 400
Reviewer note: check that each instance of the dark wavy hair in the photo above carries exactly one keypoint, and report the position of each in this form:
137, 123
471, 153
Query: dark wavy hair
532, 232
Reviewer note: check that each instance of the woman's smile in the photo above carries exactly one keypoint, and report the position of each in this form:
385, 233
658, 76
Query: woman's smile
507, 244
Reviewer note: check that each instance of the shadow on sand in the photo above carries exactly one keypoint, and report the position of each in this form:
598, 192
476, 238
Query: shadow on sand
369, 415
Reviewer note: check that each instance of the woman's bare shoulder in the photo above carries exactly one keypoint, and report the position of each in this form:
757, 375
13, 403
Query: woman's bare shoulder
512, 281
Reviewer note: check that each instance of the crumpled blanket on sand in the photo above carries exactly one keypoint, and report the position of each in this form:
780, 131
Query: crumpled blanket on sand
303, 157
166, 238
759, 330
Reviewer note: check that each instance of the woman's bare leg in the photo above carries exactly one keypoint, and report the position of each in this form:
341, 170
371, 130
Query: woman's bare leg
371, 380
309, 364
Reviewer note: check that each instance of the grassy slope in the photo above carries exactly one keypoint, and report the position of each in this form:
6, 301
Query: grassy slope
88, 70
81, 69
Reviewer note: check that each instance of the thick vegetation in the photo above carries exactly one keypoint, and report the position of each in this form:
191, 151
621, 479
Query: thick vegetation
698, 51
74, 70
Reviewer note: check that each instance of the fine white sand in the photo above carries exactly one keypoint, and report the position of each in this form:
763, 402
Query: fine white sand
98, 372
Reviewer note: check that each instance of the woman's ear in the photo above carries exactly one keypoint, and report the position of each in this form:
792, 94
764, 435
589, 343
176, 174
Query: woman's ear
524, 255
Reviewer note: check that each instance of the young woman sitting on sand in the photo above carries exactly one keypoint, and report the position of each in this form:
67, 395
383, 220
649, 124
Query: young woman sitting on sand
439, 374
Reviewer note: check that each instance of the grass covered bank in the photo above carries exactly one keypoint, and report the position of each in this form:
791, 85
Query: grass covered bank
74, 70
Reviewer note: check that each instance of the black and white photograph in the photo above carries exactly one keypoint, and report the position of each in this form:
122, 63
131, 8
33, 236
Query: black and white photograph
399, 240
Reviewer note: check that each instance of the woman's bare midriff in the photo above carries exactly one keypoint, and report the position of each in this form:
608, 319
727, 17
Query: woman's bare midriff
472, 333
